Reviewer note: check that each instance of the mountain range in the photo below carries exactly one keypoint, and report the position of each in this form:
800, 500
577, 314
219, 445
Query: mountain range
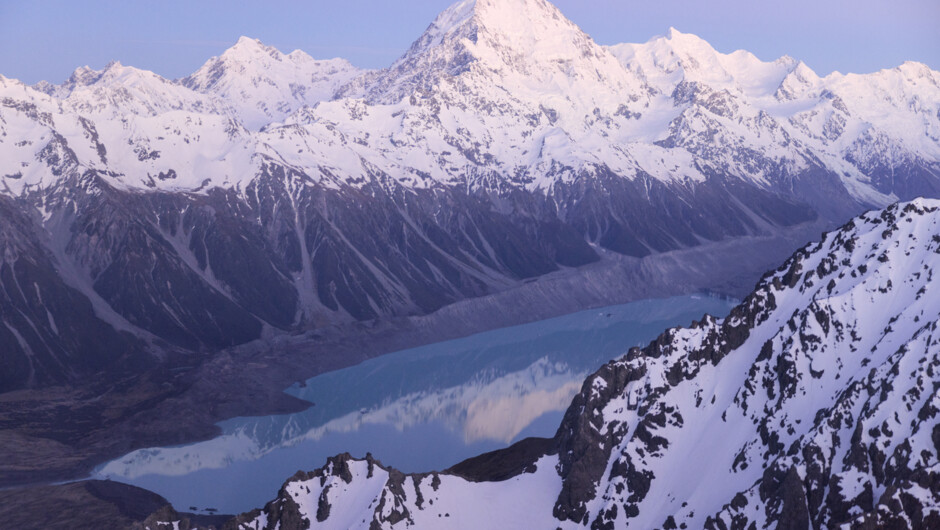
176, 252
272, 191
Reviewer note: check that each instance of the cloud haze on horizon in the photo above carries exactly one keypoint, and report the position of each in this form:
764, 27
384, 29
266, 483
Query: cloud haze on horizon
49, 39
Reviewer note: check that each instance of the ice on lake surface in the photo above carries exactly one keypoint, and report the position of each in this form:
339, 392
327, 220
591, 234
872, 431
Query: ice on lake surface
417, 410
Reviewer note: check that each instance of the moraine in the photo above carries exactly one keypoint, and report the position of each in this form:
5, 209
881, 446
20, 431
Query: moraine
419, 410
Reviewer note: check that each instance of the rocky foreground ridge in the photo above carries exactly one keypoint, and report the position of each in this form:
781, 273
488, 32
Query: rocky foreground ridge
814, 404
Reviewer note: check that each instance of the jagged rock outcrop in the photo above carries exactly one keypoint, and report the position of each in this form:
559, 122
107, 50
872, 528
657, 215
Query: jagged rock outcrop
792, 408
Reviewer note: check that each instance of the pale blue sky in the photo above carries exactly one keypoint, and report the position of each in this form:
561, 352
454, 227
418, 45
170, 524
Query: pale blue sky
47, 39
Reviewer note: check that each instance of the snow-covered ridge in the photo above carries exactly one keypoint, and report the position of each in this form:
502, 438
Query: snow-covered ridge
494, 94
816, 387
814, 403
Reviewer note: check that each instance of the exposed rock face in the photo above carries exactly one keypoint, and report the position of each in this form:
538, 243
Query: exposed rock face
271, 191
814, 404
49, 331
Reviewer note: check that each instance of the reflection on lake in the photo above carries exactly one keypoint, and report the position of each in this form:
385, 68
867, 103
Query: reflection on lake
418, 410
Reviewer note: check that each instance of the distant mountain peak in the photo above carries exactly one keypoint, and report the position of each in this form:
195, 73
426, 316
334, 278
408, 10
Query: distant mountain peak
495, 12
247, 48
266, 85
118, 74
529, 26
512, 89
693, 51
506, 39
246, 41
83, 76
674, 34
786, 59
246, 51
798, 82
918, 70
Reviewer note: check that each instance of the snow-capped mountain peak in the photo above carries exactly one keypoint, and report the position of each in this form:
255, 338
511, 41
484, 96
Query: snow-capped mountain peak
118, 91
676, 57
512, 93
247, 48
799, 81
264, 85
116, 73
687, 44
533, 27
515, 45
83, 76
530, 24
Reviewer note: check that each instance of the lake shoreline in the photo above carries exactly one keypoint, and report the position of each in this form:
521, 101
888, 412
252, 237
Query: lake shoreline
56, 434
420, 409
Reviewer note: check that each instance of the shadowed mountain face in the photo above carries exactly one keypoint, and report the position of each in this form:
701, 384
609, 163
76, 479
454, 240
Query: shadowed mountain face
814, 404
43, 315
271, 191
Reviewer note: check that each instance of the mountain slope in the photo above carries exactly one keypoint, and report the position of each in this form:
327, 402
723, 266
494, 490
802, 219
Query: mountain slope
814, 403
498, 94
49, 331
807, 377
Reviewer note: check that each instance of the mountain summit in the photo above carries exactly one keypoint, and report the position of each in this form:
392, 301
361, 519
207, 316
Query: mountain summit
516, 45
265, 85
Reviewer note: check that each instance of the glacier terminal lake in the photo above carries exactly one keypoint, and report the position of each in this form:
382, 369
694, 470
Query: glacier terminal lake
417, 410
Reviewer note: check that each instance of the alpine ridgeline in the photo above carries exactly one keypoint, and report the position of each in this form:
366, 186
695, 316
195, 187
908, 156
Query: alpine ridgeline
274, 191
814, 404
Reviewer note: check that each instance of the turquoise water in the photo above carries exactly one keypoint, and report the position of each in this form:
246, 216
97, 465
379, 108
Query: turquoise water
418, 410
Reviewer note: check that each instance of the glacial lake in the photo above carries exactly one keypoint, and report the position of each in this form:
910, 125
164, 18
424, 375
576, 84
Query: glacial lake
420, 409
